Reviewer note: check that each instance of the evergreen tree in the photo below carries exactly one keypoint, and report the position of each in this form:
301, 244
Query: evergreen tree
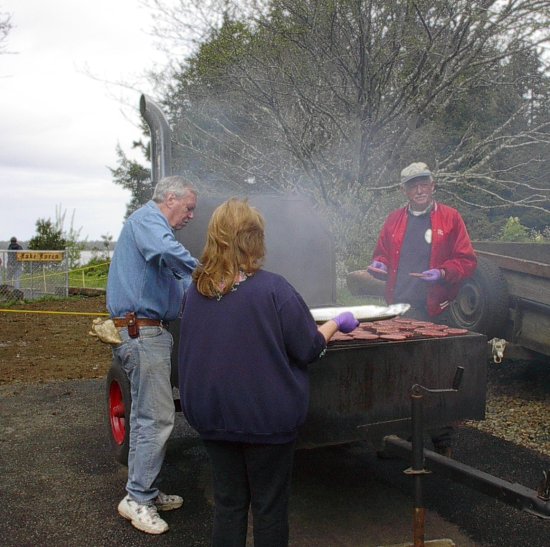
133, 176
48, 237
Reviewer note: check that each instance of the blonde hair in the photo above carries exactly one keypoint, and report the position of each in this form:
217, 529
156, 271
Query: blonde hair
234, 243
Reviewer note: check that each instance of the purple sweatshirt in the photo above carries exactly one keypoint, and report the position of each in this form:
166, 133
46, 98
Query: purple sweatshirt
243, 361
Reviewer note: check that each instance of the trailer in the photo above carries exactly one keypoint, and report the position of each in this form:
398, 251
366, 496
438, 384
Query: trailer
508, 298
363, 387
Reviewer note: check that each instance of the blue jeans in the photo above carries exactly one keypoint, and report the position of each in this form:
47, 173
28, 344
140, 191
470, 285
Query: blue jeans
146, 361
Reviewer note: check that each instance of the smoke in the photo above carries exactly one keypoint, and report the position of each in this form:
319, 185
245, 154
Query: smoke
299, 244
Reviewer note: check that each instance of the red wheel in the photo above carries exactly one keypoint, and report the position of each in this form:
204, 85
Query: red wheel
118, 411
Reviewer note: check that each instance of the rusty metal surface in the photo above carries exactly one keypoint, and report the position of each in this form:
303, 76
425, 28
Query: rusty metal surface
531, 325
368, 384
338, 498
515, 264
537, 252
526, 270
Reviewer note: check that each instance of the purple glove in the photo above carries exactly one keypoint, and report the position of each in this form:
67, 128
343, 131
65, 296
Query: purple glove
431, 275
378, 270
346, 321
377, 265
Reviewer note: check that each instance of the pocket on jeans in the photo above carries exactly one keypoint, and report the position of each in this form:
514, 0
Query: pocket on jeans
128, 355
150, 332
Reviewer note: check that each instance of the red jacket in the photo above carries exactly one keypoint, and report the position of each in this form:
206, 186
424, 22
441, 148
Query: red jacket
451, 251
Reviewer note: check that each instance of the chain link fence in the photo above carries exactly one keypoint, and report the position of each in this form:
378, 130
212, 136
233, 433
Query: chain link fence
27, 275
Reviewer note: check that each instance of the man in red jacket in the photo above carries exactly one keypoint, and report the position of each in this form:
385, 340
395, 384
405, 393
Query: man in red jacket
424, 253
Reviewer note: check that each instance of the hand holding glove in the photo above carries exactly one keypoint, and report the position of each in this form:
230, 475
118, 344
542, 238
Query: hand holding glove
378, 270
346, 321
432, 275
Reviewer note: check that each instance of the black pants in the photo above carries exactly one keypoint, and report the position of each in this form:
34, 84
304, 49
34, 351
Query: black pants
256, 476
442, 437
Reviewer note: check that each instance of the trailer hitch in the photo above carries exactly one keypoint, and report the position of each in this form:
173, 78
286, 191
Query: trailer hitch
536, 503
417, 469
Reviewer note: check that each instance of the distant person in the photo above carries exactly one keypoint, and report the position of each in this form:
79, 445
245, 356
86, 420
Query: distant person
246, 338
424, 253
149, 272
14, 267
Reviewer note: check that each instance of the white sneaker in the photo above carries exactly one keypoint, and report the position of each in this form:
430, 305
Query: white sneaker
143, 517
167, 502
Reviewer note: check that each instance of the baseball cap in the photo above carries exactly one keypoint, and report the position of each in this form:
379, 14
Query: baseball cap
413, 171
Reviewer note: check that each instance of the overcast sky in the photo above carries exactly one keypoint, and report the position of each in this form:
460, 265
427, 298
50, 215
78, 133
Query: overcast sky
58, 126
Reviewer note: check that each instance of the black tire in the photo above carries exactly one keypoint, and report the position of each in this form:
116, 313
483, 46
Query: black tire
119, 401
482, 303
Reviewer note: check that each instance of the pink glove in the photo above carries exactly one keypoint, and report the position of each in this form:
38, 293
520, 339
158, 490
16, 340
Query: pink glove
431, 275
346, 321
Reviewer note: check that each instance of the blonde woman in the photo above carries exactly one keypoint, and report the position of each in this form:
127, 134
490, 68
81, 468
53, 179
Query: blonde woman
246, 339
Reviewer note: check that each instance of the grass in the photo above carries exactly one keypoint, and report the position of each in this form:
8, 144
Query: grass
92, 276
87, 280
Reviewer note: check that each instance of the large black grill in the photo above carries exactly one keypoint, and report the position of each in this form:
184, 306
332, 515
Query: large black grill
360, 388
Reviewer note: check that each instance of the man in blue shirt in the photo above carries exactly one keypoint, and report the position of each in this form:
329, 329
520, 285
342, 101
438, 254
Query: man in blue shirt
148, 276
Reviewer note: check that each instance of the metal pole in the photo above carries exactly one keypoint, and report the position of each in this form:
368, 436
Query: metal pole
418, 466
161, 139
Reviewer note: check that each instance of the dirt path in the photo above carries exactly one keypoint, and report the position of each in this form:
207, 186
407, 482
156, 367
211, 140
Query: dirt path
39, 347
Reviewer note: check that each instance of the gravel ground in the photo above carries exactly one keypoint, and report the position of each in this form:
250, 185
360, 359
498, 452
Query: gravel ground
56, 460
518, 404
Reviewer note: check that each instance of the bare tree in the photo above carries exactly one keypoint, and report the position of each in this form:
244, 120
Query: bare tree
333, 98
5, 28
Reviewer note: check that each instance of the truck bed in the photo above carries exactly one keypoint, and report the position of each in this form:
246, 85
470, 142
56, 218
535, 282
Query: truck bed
526, 269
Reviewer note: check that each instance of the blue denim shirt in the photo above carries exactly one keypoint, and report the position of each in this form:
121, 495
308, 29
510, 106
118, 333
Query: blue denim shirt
150, 269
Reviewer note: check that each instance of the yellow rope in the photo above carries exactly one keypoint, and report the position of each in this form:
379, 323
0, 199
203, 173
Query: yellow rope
84, 268
53, 312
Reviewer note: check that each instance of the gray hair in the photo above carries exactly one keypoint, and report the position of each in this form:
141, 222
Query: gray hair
176, 184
